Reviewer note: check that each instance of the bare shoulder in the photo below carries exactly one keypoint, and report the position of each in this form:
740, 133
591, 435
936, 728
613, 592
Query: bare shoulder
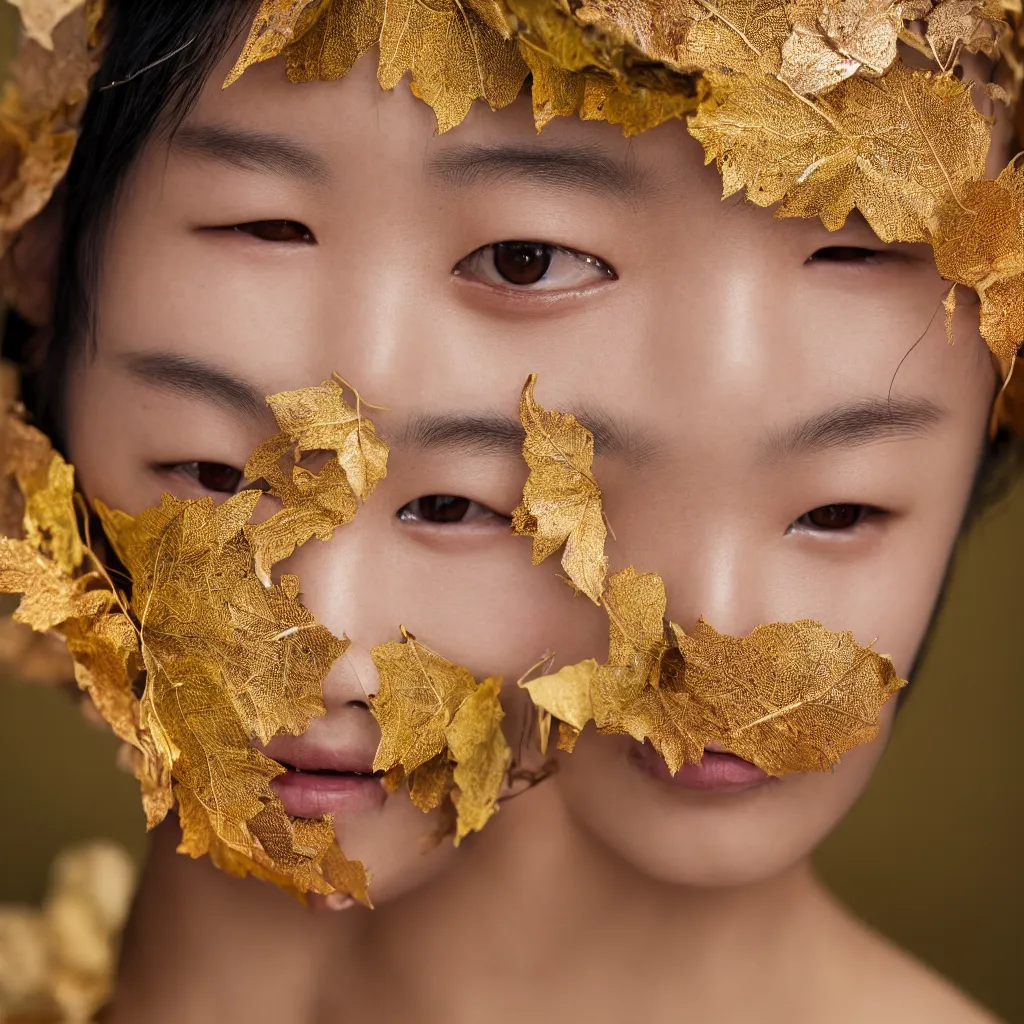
881, 982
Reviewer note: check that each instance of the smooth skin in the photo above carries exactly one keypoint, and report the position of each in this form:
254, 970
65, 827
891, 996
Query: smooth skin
783, 433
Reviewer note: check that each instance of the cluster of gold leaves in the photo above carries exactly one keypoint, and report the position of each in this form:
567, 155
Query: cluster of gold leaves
201, 657
440, 732
58, 963
791, 697
311, 421
41, 106
806, 105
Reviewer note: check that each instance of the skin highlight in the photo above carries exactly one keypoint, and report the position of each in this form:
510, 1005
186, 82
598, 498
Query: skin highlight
740, 374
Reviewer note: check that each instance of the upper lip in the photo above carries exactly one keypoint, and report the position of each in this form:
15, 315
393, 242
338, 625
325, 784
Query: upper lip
309, 756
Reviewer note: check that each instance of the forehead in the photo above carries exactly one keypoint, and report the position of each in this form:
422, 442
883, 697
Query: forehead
715, 299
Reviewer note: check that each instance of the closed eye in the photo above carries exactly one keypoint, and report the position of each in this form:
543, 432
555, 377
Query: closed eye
846, 254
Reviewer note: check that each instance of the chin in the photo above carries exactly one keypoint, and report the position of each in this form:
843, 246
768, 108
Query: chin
704, 837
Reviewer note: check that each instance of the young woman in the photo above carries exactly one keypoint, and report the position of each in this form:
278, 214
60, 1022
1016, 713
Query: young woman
782, 431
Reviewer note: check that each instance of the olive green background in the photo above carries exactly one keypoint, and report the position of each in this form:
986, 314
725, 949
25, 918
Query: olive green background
932, 855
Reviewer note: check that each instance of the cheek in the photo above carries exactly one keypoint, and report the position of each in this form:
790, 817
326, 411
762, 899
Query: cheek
487, 609
688, 838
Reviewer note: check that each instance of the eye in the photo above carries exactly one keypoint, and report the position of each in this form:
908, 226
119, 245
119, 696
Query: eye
277, 231
446, 509
836, 517
215, 477
534, 266
845, 254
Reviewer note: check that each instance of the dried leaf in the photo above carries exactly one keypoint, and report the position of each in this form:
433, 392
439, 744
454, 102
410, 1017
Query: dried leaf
635, 603
455, 52
41, 17
901, 149
791, 697
561, 500
482, 757
430, 784
981, 245
320, 419
420, 692
565, 694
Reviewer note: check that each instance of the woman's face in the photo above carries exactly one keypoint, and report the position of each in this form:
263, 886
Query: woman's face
783, 431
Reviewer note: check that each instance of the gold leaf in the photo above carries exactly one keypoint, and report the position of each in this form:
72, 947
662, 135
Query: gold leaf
51, 524
901, 149
277, 24
430, 784
482, 757
41, 17
981, 245
561, 500
455, 52
791, 697
635, 603
420, 692
565, 694
319, 419
958, 25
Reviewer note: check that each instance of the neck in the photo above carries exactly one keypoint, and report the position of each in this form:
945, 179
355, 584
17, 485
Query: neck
534, 909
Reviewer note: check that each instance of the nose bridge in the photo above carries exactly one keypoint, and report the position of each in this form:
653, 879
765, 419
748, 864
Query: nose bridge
717, 574
344, 585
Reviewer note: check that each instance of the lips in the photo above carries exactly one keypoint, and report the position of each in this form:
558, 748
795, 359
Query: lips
718, 771
324, 779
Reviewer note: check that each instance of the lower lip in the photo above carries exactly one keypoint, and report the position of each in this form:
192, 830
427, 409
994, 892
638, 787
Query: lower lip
716, 773
312, 794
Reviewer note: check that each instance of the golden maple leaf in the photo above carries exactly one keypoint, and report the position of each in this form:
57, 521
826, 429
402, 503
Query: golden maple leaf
901, 149
561, 503
439, 728
312, 420
981, 245
791, 697
227, 661
454, 52
482, 757
420, 692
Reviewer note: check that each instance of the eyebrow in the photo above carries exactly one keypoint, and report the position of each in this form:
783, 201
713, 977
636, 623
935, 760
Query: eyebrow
198, 379
252, 150
561, 170
856, 425
498, 434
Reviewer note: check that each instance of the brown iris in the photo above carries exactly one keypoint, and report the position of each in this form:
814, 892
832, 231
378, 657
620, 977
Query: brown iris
522, 263
835, 517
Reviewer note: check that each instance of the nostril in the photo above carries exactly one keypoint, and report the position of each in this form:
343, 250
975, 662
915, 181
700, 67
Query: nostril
361, 704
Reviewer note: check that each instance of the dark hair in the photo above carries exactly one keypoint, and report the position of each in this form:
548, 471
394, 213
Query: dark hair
157, 58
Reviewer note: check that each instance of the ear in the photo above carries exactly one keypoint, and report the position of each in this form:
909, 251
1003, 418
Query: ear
28, 270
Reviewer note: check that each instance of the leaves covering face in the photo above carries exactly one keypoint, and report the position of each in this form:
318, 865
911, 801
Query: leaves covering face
220, 661
791, 697
311, 420
439, 729
454, 52
561, 503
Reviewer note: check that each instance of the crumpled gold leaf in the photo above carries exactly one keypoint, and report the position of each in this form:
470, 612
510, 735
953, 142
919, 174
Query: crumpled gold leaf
320, 419
901, 149
791, 697
482, 757
420, 693
561, 500
972, 25
439, 729
452, 50
981, 245
227, 661
312, 420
